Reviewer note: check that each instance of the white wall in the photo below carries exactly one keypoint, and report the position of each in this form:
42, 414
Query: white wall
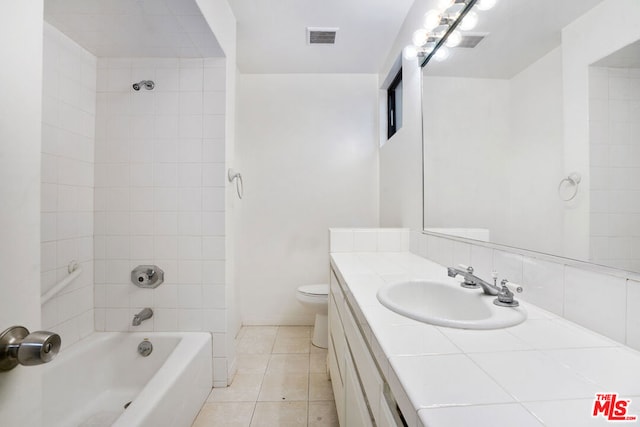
307, 149
20, 134
595, 35
466, 140
160, 196
401, 158
68, 129
614, 130
219, 16
535, 138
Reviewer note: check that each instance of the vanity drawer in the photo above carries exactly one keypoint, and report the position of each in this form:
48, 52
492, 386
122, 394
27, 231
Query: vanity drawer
366, 367
337, 382
337, 339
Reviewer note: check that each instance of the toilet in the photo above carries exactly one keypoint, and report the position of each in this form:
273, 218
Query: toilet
316, 298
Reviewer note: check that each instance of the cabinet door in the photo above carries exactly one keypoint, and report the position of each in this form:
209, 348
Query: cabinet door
356, 412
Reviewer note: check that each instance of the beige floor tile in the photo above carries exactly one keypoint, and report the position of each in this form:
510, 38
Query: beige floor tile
291, 345
283, 386
314, 349
244, 388
228, 414
288, 364
295, 331
252, 363
323, 414
280, 414
255, 345
318, 363
259, 331
320, 387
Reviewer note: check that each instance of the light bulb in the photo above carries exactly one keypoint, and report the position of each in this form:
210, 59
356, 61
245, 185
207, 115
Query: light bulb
410, 53
454, 39
420, 37
431, 20
441, 54
486, 4
469, 21
443, 4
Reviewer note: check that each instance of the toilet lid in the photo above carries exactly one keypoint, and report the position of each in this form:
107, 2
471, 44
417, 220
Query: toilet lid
314, 289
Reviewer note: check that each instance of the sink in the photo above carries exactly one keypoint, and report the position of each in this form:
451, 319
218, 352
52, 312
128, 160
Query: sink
448, 304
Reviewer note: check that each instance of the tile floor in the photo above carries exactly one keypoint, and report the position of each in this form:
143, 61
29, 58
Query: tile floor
281, 381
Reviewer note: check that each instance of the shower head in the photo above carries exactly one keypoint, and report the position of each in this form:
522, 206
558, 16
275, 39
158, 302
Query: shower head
147, 84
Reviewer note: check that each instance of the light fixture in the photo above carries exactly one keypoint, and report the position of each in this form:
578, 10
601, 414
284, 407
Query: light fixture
442, 54
454, 39
469, 22
420, 37
410, 52
431, 20
442, 28
486, 4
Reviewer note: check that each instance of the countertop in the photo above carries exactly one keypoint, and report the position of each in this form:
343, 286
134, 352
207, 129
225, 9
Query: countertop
545, 371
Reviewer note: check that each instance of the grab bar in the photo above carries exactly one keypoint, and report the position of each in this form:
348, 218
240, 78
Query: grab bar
74, 270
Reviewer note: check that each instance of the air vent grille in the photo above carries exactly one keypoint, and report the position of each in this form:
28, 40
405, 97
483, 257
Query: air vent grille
316, 35
469, 41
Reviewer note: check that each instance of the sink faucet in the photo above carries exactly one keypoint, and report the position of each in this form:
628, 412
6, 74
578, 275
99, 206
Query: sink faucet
503, 292
471, 281
145, 314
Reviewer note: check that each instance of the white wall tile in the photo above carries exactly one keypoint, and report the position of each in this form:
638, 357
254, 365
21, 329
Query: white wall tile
596, 301
341, 240
543, 284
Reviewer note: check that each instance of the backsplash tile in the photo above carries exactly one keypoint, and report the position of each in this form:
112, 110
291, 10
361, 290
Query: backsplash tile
596, 301
602, 302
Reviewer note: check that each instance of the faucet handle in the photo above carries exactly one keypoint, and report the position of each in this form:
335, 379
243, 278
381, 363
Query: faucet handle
513, 287
466, 267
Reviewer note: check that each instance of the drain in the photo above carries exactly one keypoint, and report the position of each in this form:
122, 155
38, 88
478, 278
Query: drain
145, 347
126, 405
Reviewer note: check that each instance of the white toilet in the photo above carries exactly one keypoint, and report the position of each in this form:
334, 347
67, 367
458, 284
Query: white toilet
316, 297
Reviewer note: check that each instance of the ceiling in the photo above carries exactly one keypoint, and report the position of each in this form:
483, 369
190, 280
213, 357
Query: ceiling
135, 28
627, 57
518, 32
272, 34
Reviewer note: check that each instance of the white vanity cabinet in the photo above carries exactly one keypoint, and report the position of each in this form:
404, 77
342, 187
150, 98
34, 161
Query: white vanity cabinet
356, 379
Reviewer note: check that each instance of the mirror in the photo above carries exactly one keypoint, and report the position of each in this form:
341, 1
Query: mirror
531, 139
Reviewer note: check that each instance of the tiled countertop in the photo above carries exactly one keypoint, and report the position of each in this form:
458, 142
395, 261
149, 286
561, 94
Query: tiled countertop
545, 371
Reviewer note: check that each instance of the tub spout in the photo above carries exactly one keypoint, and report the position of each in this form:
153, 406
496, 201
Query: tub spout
145, 314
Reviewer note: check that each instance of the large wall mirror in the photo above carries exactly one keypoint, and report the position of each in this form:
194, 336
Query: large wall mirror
531, 131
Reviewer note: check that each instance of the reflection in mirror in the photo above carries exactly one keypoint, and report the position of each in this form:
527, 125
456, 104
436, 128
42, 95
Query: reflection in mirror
549, 93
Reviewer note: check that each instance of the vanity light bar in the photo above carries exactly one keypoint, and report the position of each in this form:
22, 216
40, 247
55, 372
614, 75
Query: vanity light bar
452, 27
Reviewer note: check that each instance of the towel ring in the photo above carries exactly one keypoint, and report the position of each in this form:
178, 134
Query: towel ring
233, 175
573, 179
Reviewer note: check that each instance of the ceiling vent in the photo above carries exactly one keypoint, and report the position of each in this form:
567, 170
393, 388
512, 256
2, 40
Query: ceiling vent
321, 35
469, 41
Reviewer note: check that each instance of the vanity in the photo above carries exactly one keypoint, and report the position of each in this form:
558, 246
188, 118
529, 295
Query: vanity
390, 370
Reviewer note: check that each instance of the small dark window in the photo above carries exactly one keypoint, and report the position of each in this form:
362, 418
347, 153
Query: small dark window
394, 105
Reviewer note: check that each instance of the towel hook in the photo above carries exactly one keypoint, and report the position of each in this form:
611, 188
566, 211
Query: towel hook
233, 175
573, 179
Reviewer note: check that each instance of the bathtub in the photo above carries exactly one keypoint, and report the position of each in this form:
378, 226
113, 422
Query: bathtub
90, 384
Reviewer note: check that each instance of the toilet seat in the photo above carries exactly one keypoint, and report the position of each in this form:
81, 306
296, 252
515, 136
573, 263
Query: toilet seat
314, 290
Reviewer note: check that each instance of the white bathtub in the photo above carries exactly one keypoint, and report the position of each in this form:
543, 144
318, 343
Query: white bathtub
89, 384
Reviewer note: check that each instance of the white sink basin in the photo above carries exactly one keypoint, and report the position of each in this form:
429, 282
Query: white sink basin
448, 305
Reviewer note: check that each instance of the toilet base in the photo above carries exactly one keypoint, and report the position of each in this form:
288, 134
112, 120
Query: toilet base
321, 331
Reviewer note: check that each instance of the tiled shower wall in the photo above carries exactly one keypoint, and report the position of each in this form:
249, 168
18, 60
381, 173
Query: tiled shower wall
69, 98
614, 124
160, 196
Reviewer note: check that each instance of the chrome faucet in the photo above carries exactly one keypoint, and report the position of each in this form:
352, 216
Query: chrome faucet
145, 314
471, 281
503, 292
